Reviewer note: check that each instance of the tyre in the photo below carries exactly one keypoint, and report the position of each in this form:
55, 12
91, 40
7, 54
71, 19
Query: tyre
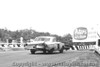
61, 50
50, 51
32, 51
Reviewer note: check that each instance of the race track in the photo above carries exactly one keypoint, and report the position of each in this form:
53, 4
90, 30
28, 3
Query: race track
26, 59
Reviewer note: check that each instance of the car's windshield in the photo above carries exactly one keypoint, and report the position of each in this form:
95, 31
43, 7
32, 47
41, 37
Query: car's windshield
41, 39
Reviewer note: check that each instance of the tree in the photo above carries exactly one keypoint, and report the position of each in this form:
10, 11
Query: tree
67, 39
28, 34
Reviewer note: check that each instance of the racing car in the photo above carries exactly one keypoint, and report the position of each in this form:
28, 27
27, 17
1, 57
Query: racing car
45, 44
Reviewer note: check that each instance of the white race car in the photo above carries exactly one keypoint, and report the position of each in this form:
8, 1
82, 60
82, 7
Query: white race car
45, 43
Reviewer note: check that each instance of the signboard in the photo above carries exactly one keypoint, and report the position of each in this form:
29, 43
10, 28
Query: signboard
83, 34
80, 33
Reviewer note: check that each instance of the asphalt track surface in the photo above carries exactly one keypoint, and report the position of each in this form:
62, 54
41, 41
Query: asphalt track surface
26, 59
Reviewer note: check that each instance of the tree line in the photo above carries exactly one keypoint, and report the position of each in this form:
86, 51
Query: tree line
28, 34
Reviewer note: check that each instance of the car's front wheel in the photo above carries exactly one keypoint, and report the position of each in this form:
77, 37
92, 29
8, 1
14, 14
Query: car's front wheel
32, 51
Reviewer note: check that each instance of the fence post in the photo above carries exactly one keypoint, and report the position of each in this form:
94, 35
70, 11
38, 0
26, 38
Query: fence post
21, 41
7, 43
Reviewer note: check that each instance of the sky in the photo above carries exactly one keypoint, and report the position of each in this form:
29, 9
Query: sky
55, 16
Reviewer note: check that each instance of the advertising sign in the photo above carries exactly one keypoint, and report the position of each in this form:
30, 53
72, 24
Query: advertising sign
83, 34
80, 33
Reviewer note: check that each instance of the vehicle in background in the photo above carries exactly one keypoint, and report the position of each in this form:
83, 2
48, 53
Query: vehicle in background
45, 44
67, 46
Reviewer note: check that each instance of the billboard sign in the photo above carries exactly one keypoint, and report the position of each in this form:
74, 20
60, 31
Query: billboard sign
80, 33
83, 34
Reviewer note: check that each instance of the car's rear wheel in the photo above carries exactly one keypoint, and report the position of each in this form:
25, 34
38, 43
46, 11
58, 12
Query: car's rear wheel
51, 51
32, 51
61, 50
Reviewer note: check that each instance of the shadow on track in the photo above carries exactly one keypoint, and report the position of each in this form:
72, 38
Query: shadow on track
41, 53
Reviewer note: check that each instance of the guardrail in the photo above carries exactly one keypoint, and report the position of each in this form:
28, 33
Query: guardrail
12, 46
83, 47
20, 46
